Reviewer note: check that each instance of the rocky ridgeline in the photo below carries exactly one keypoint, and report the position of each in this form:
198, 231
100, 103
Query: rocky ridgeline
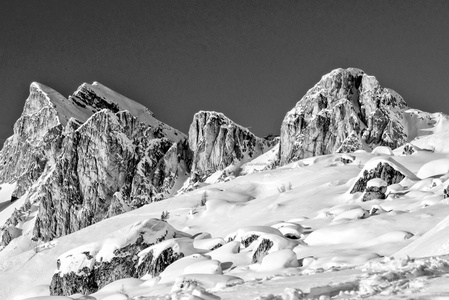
110, 164
81, 161
345, 111
219, 144
25, 154
98, 154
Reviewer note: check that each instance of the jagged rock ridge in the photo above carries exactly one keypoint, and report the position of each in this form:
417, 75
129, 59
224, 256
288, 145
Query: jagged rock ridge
345, 111
88, 157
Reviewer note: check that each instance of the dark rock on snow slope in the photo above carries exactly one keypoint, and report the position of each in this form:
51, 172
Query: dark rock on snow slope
95, 265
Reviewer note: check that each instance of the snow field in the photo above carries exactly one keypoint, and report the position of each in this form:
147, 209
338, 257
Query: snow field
270, 236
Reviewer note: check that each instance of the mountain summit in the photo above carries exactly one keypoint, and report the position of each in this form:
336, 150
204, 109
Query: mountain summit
345, 111
78, 160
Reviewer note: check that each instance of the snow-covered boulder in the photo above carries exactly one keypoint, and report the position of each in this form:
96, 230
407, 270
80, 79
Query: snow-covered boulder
385, 168
269, 243
155, 259
247, 235
289, 229
279, 260
375, 189
382, 150
90, 267
345, 111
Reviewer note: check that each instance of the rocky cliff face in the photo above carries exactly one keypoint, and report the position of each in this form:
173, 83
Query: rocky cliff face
24, 156
110, 164
345, 111
88, 157
219, 144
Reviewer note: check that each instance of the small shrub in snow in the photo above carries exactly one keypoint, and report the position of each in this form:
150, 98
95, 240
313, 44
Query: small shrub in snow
446, 193
123, 292
165, 215
203, 199
283, 188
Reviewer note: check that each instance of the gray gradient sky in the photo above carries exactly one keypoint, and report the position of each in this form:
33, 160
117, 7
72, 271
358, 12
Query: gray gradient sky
251, 60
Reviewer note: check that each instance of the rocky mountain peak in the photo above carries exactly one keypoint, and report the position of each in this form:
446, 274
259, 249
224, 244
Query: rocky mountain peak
91, 98
345, 111
88, 157
219, 144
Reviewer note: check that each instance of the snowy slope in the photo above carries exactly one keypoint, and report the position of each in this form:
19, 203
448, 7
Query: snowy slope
337, 234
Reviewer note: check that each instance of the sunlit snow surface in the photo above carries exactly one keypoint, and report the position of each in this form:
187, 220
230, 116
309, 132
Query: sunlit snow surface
325, 241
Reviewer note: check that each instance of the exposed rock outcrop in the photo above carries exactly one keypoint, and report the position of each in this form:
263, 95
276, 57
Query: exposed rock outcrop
345, 111
383, 171
89, 268
24, 156
218, 144
387, 171
155, 259
375, 189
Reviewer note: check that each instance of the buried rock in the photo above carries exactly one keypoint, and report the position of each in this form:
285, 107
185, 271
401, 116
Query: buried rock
385, 168
155, 259
375, 189
88, 268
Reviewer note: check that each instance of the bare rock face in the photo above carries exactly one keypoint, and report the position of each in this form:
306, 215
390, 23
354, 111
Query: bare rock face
23, 156
89, 268
384, 171
345, 111
218, 143
92, 156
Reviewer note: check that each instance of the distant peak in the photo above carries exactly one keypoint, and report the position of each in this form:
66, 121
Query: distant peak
352, 71
51, 94
41, 87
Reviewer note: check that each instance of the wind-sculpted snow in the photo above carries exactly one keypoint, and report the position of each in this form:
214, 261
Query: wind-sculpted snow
345, 111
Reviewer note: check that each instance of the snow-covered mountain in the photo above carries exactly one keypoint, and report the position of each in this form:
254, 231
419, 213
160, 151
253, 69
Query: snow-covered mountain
356, 184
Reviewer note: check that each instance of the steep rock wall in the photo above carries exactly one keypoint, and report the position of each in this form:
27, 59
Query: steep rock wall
345, 111
218, 143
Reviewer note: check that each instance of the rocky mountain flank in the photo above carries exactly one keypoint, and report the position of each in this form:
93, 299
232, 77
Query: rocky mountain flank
98, 154
219, 144
82, 159
345, 111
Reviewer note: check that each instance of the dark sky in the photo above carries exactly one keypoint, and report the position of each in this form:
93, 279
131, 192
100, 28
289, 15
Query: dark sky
251, 60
